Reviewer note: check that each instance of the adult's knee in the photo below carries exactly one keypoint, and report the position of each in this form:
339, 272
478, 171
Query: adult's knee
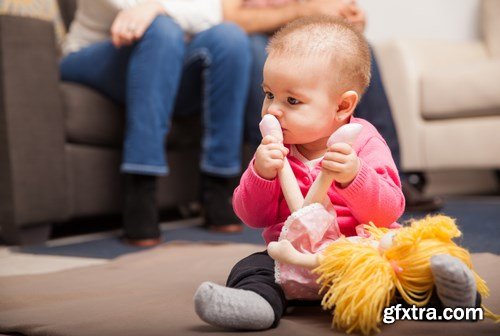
258, 44
165, 33
229, 42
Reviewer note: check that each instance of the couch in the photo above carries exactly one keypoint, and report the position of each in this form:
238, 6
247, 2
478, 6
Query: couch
445, 97
60, 142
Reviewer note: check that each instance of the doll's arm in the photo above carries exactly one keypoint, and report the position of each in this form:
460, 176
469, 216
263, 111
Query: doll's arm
289, 186
284, 252
317, 193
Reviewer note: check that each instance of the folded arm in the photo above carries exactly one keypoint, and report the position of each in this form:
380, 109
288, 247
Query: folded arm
260, 19
267, 19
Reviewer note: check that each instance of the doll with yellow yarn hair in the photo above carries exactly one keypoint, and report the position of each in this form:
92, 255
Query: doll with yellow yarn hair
360, 276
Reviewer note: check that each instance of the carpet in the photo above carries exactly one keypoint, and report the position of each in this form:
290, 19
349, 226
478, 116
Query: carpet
477, 217
150, 293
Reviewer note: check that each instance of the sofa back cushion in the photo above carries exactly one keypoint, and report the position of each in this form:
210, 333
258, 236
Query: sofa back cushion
461, 90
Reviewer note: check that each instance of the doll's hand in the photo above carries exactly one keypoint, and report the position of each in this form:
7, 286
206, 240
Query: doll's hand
341, 161
269, 157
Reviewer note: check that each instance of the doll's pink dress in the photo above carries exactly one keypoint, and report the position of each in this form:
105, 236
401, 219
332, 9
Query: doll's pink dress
310, 230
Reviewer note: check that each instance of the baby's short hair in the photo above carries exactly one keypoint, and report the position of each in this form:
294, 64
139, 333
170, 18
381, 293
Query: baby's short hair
337, 39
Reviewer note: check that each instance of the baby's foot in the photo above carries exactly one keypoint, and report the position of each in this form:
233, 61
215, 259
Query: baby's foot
454, 281
232, 308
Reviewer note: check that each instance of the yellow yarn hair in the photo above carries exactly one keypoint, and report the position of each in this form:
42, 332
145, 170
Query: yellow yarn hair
359, 280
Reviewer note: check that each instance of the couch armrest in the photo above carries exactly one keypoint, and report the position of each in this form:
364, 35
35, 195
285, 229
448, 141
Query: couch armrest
402, 63
401, 80
32, 162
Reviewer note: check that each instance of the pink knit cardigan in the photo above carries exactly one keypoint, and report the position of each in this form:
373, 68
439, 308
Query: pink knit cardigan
373, 196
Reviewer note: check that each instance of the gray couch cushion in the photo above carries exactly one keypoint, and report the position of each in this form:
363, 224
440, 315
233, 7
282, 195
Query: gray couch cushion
92, 119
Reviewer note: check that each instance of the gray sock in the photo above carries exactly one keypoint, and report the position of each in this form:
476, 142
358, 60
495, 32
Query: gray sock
232, 308
455, 283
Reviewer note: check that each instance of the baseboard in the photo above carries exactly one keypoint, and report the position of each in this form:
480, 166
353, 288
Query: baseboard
458, 182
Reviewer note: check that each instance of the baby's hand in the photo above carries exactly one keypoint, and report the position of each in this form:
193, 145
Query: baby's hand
269, 157
341, 161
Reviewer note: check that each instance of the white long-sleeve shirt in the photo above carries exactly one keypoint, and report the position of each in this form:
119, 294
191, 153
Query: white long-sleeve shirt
93, 18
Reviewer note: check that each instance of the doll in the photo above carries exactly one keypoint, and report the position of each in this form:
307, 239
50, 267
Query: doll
359, 275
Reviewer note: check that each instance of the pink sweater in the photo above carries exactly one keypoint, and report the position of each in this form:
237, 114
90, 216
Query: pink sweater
373, 196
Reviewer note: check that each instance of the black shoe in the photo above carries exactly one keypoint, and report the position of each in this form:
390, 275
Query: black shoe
216, 194
140, 213
416, 201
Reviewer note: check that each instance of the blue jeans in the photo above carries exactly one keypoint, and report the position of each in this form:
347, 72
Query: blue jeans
373, 106
162, 71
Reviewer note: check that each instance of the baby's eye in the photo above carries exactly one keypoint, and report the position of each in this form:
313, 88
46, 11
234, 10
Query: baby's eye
292, 101
269, 95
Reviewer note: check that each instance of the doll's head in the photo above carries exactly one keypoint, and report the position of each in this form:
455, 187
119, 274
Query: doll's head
359, 279
316, 71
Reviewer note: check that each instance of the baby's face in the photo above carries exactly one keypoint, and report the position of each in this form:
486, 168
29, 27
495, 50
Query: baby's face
299, 93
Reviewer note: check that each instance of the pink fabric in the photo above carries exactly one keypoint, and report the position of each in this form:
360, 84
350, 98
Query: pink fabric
266, 3
374, 196
310, 230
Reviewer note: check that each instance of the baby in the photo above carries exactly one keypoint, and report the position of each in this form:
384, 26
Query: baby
315, 74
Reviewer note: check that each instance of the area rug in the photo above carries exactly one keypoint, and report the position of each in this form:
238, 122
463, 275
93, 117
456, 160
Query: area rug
151, 293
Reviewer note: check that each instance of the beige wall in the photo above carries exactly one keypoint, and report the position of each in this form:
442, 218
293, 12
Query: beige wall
455, 20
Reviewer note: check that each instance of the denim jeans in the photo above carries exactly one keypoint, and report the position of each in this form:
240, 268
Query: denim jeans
373, 106
162, 73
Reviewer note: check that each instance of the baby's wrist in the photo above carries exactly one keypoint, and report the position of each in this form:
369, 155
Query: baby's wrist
262, 173
345, 184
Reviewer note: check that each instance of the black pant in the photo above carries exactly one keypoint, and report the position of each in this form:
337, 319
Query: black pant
256, 273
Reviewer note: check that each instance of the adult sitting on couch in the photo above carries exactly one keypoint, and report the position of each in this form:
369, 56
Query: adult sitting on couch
149, 56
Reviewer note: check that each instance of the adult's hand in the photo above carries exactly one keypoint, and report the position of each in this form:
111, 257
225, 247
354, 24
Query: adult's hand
354, 14
131, 23
322, 7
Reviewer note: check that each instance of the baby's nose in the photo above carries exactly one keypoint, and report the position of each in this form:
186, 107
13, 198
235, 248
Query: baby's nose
274, 110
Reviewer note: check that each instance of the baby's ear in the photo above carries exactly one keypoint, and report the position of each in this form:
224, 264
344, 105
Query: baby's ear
347, 103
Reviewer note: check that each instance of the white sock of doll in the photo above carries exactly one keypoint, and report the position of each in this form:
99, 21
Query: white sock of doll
455, 283
232, 308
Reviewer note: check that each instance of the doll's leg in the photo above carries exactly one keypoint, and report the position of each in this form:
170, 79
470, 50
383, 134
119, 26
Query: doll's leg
454, 281
284, 252
251, 301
